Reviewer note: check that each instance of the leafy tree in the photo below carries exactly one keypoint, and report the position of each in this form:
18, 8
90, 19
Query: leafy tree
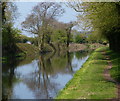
103, 19
9, 12
40, 19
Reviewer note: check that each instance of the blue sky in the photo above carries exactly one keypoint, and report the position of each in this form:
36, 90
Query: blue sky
24, 8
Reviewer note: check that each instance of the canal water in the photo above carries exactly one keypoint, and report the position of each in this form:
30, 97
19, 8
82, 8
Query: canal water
42, 77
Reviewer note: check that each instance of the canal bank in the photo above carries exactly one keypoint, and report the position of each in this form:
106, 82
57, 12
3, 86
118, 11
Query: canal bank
89, 82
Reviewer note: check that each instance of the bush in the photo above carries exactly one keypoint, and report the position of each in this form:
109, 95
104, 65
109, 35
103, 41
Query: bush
80, 39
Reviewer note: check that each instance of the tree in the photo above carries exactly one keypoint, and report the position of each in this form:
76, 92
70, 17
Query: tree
104, 20
40, 19
9, 13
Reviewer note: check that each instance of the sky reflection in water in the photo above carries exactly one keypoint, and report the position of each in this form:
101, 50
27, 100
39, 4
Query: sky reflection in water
44, 77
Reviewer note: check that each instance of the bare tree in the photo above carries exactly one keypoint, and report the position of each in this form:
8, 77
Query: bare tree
40, 19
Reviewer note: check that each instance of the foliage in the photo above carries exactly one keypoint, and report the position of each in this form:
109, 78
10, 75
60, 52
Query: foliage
7, 31
92, 38
103, 19
59, 36
9, 12
81, 38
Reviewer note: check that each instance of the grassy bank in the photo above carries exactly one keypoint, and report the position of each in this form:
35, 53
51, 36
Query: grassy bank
28, 49
89, 82
23, 50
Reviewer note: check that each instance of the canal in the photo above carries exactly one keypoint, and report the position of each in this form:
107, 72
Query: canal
42, 77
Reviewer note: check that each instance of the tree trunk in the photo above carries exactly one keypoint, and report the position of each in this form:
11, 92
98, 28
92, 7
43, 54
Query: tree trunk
68, 36
114, 42
52, 46
69, 62
68, 39
117, 42
42, 43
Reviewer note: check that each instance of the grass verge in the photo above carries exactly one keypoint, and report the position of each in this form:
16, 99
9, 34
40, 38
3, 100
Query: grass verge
88, 82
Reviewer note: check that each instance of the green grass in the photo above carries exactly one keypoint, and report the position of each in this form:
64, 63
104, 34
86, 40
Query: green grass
115, 59
24, 51
88, 82
28, 49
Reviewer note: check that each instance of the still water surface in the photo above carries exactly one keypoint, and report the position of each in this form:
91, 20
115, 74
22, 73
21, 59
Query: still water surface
42, 77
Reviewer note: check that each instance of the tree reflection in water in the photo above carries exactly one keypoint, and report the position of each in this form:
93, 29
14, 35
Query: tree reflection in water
8, 77
46, 78
39, 82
